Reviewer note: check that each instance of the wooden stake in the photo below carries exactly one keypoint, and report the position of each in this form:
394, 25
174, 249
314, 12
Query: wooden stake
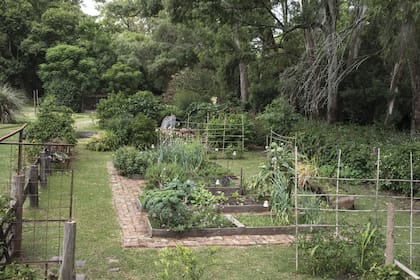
17, 194
69, 248
43, 169
33, 187
389, 250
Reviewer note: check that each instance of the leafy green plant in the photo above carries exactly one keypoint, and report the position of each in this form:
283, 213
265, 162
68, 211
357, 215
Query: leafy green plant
18, 272
183, 205
167, 208
182, 263
384, 272
129, 160
352, 252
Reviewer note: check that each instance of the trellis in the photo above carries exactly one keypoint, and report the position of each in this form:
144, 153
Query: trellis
375, 210
214, 136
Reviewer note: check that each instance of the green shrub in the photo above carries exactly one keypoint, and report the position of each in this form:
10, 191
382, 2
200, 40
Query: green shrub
53, 124
123, 106
146, 103
279, 116
141, 131
107, 141
107, 109
138, 131
130, 161
353, 252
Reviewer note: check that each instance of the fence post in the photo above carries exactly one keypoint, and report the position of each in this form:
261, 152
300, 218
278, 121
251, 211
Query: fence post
43, 169
69, 246
33, 186
18, 182
389, 250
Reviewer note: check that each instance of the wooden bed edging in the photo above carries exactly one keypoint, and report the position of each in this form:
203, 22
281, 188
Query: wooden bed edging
244, 208
209, 232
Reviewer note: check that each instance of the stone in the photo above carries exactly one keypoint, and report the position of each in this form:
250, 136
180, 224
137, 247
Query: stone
80, 263
80, 276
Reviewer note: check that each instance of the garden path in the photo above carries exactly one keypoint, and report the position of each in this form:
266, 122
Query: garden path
133, 222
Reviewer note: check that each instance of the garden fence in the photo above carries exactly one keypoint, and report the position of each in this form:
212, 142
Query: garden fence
39, 180
365, 203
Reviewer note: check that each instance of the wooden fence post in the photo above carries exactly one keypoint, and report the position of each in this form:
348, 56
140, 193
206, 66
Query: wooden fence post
389, 250
43, 169
69, 246
18, 182
33, 186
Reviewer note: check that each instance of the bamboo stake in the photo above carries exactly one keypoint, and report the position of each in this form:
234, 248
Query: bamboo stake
378, 162
411, 209
336, 192
296, 209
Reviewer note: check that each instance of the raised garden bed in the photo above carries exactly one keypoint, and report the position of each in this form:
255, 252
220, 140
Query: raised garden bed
239, 229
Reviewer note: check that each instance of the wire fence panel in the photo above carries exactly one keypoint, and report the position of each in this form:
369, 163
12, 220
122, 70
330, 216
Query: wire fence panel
39, 178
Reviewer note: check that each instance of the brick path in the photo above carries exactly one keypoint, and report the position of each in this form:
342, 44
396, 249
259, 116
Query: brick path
133, 222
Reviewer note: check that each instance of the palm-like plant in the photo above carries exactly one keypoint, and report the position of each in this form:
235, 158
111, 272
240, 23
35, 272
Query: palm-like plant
11, 100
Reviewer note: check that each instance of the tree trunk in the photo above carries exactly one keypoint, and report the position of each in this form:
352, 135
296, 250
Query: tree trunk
393, 89
356, 41
331, 40
415, 97
243, 71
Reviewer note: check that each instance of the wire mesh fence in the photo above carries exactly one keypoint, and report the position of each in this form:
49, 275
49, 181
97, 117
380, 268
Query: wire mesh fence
38, 178
341, 202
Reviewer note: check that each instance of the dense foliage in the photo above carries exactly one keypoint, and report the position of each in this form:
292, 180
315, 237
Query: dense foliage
53, 124
130, 161
353, 253
182, 205
18, 272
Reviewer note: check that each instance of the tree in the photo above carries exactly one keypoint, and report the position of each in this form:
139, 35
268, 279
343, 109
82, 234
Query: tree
122, 78
69, 74
15, 22
236, 18
400, 40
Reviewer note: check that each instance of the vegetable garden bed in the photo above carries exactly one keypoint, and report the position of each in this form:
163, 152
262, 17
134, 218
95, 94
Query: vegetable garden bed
237, 229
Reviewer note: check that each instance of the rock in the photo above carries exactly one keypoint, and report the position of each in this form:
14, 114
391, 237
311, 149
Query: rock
345, 202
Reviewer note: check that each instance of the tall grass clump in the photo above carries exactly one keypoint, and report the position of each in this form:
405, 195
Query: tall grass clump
190, 155
11, 101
